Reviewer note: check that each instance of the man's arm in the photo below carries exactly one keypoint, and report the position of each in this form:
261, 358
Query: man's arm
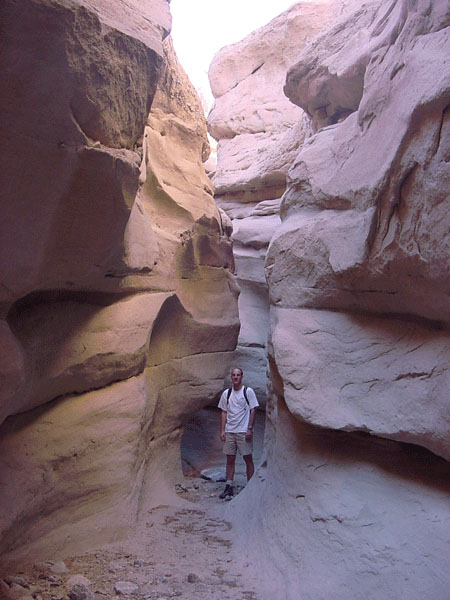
223, 422
251, 421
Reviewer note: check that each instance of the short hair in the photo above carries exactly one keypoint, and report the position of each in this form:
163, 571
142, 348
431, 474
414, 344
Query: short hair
237, 369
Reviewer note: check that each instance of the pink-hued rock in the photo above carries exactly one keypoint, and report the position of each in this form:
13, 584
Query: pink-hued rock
259, 131
13, 365
355, 372
365, 229
74, 98
119, 307
259, 134
354, 491
328, 82
343, 515
380, 178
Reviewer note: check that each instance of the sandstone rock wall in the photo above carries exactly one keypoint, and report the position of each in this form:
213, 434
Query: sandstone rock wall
119, 308
259, 133
365, 230
353, 498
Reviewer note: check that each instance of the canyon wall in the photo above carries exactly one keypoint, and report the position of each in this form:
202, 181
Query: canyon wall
259, 132
119, 307
353, 499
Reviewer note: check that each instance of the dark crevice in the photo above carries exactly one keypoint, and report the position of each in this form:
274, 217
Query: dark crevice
429, 324
439, 134
257, 69
100, 299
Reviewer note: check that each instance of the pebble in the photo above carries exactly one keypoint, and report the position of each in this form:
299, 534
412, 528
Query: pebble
80, 592
15, 592
214, 474
19, 580
59, 568
78, 580
193, 578
123, 588
181, 488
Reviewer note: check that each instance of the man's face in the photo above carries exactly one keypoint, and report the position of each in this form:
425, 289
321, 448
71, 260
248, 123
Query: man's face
236, 377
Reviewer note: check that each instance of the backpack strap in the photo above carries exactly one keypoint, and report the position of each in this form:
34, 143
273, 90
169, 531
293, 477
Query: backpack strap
245, 396
228, 395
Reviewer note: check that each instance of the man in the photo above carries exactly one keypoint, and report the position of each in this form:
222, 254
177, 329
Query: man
238, 406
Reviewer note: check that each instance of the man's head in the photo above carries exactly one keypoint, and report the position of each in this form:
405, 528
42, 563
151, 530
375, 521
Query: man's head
236, 377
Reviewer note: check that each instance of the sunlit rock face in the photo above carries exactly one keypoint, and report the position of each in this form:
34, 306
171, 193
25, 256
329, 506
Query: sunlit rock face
358, 276
259, 133
119, 308
365, 232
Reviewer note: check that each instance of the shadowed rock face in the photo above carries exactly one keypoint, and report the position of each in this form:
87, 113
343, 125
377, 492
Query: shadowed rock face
119, 309
358, 279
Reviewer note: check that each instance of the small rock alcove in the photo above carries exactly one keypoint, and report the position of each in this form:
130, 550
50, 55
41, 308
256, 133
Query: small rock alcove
201, 447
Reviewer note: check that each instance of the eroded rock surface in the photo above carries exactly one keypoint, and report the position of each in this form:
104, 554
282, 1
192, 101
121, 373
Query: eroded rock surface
341, 515
365, 230
259, 133
353, 498
119, 309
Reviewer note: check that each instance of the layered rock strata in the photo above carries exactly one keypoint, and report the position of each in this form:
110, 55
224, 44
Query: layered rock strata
119, 308
358, 277
365, 229
259, 133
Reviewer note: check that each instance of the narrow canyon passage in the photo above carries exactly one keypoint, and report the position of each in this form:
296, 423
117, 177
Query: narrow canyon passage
136, 270
183, 549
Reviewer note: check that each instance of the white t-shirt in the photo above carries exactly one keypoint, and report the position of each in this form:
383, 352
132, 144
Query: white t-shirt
237, 409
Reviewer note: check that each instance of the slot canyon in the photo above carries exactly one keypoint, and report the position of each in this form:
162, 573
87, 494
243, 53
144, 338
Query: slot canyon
137, 270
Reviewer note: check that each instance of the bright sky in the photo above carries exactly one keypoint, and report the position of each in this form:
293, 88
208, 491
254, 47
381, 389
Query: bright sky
201, 27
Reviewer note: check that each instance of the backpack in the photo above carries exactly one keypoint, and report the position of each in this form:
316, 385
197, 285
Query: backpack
245, 395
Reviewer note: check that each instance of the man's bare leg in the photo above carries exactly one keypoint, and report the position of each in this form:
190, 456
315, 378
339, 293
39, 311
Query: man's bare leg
250, 466
231, 461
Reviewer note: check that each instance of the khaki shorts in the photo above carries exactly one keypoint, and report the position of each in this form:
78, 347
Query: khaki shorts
235, 442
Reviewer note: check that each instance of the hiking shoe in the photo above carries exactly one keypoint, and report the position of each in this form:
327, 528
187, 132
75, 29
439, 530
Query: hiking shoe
228, 491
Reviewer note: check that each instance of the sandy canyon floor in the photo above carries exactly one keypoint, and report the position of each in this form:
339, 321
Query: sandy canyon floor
185, 550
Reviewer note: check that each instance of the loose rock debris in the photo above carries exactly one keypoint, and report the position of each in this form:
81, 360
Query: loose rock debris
181, 553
